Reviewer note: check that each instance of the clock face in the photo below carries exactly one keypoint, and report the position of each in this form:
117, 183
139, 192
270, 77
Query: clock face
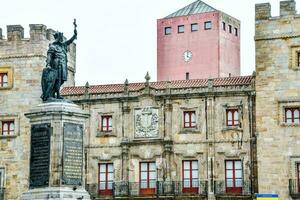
187, 56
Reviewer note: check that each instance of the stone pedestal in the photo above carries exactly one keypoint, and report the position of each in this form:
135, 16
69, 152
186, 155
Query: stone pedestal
57, 154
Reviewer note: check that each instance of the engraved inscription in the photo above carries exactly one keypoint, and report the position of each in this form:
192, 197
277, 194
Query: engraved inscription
146, 122
72, 154
40, 155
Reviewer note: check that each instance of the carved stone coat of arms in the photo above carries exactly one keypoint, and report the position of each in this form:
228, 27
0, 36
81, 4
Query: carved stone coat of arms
146, 122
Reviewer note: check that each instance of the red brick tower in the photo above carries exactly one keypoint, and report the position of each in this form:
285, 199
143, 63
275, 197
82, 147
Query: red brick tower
196, 42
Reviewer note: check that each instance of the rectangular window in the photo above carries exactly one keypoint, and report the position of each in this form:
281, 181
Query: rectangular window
189, 119
194, 27
298, 176
1, 180
190, 177
187, 76
168, 30
3, 80
235, 31
224, 26
298, 59
181, 29
8, 128
230, 28
106, 123
106, 178
232, 117
147, 178
207, 25
292, 115
233, 176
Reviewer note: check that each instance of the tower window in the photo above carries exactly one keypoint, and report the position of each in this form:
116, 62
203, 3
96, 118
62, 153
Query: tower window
298, 58
235, 31
224, 26
187, 76
8, 128
181, 29
194, 27
230, 28
292, 115
168, 30
207, 25
3, 80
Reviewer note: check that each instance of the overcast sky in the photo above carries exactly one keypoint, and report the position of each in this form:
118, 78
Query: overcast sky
117, 38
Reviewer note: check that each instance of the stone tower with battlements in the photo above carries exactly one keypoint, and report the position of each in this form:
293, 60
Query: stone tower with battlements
277, 41
21, 63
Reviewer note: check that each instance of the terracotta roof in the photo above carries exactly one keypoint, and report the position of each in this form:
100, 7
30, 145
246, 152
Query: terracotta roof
114, 88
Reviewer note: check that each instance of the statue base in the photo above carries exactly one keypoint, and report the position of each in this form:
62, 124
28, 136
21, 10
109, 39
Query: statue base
57, 154
56, 193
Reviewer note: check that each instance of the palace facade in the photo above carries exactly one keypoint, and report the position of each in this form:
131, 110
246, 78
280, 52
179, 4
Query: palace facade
200, 138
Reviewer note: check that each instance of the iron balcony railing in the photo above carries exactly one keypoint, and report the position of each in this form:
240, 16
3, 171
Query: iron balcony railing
239, 188
160, 188
1, 193
294, 187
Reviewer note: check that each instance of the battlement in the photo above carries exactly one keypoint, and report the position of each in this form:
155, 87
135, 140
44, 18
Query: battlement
15, 32
36, 32
286, 25
263, 10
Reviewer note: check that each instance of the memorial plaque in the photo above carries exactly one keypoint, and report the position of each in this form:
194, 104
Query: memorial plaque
72, 154
40, 155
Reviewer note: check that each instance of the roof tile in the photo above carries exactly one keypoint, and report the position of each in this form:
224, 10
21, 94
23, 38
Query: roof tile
193, 83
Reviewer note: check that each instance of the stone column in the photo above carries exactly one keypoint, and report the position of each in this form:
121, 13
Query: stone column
168, 151
57, 153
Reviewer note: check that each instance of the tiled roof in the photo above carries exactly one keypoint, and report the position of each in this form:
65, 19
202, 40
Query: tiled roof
114, 88
193, 8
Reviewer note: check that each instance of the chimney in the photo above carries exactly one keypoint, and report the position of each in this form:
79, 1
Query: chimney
15, 32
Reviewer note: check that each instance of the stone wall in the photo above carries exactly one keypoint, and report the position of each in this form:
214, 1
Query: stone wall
277, 42
23, 59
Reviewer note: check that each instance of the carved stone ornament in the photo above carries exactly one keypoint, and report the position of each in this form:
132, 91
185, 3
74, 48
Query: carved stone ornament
146, 122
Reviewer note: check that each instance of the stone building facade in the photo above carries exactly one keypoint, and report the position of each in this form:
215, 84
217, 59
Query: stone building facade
277, 89
149, 124
21, 63
216, 138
